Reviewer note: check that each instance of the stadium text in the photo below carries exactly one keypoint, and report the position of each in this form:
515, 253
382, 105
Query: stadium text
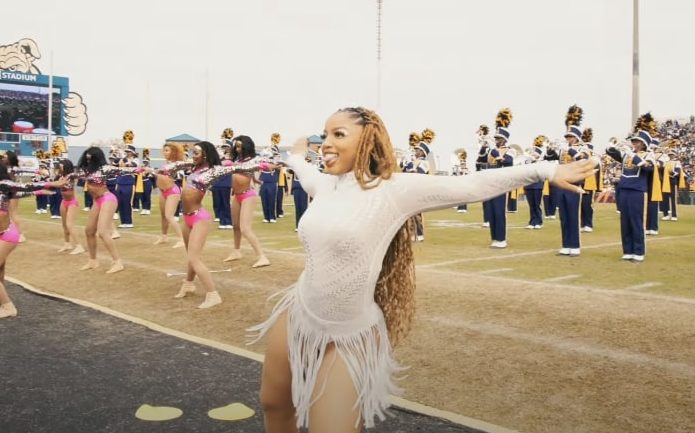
19, 76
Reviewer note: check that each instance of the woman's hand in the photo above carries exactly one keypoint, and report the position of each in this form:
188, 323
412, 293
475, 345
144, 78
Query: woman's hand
300, 145
573, 172
59, 183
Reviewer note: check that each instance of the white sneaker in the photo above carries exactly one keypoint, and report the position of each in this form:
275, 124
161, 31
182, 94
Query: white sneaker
8, 310
281, 216
273, 221
486, 224
628, 256
461, 211
637, 258
564, 252
44, 210
125, 226
216, 220
211, 299
552, 217
136, 209
575, 252
176, 219
55, 217
674, 218
144, 212
420, 238
38, 211
266, 221
530, 227
86, 209
498, 244
587, 229
666, 218
115, 216
538, 227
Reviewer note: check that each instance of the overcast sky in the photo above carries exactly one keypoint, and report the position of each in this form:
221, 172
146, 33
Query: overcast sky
285, 66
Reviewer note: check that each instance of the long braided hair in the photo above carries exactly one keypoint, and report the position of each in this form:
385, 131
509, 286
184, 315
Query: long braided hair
395, 288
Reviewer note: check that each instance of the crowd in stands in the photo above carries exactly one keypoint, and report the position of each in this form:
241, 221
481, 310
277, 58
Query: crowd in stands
27, 106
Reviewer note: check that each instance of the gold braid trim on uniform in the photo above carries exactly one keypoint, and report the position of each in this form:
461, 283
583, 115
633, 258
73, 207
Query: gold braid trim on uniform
395, 287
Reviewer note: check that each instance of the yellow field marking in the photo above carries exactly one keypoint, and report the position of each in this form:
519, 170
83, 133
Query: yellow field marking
568, 345
406, 404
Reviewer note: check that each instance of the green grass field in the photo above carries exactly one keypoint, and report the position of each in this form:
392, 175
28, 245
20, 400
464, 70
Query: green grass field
457, 242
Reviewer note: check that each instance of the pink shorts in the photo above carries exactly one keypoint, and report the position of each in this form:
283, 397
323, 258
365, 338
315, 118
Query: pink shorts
171, 191
200, 215
107, 197
70, 203
11, 235
244, 195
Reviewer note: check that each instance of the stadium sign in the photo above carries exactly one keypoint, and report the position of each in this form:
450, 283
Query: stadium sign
34, 137
18, 76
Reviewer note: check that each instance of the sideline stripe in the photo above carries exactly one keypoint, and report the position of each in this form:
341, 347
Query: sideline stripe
562, 278
493, 271
644, 286
396, 401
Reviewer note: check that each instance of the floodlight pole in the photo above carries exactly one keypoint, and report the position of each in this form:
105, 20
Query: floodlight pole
50, 103
635, 61
379, 6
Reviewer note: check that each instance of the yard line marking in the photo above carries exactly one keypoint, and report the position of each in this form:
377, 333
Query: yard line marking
562, 278
492, 271
569, 345
539, 252
643, 286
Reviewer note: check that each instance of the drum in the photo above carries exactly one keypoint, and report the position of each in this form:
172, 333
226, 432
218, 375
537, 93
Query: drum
22, 127
41, 131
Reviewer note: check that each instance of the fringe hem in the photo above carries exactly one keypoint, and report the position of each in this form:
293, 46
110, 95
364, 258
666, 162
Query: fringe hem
366, 352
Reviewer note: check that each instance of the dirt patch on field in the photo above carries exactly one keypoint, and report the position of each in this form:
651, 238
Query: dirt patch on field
528, 356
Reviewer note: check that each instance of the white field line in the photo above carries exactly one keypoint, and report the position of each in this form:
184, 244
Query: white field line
569, 345
540, 252
562, 278
494, 271
644, 285
443, 272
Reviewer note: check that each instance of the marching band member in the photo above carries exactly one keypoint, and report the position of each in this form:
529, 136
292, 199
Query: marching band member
169, 192
534, 191
636, 162
481, 162
550, 193
461, 169
9, 233
654, 193
68, 207
125, 183
42, 176
591, 185
54, 200
269, 187
300, 196
282, 175
569, 200
500, 156
673, 179
244, 203
222, 188
143, 187
421, 166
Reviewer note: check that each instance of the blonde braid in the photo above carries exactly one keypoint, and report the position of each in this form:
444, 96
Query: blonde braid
395, 287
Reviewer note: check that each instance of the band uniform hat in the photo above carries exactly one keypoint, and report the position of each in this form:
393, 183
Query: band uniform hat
315, 139
654, 144
424, 147
642, 136
130, 148
226, 143
502, 133
574, 131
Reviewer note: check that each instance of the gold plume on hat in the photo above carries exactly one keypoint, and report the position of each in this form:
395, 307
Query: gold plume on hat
574, 116
428, 135
504, 118
540, 140
587, 135
484, 129
275, 138
228, 133
414, 138
462, 155
646, 123
128, 137
146, 152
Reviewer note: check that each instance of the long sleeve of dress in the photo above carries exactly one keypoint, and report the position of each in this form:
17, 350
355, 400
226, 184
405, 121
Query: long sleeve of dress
414, 193
309, 176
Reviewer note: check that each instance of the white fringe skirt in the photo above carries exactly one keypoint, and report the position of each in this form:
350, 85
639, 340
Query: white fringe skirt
365, 349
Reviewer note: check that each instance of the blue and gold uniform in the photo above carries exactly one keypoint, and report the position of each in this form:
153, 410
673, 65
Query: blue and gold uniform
481, 162
534, 191
654, 194
125, 187
633, 186
673, 179
550, 193
591, 185
418, 165
568, 201
500, 156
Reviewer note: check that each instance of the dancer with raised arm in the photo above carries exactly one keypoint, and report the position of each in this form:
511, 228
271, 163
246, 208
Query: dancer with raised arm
169, 193
94, 168
68, 207
9, 233
329, 363
244, 203
204, 169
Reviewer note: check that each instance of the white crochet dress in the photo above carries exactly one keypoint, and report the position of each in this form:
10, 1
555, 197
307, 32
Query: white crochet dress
346, 231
